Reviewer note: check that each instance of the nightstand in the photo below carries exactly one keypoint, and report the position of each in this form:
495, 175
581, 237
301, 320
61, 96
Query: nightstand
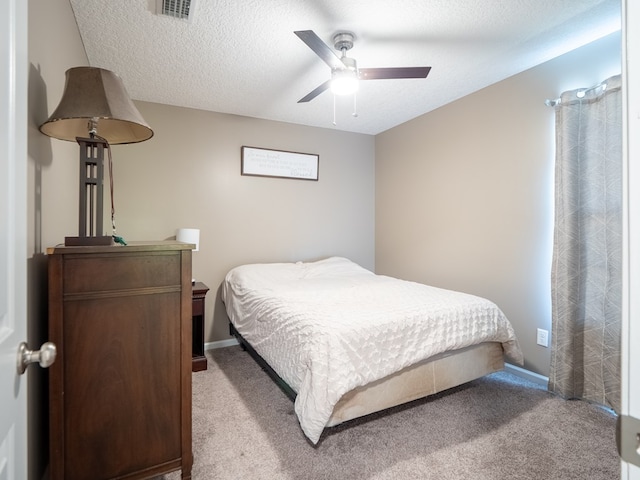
198, 359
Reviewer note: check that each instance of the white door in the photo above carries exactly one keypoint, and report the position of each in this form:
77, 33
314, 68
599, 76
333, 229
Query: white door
13, 236
631, 313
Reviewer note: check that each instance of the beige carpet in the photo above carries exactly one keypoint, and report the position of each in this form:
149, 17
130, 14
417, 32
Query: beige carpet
498, 427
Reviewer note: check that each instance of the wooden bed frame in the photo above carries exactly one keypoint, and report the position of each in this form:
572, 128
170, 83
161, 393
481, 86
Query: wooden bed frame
430, 376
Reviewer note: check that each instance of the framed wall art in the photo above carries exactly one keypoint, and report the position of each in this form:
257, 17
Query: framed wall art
264, 162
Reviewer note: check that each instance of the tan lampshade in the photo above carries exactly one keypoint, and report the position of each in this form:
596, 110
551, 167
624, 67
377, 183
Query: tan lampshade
96, 94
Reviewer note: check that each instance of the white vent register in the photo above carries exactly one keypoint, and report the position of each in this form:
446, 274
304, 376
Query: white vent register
180, 9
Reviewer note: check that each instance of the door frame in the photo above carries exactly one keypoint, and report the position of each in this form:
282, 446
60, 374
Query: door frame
14, 83
630, 361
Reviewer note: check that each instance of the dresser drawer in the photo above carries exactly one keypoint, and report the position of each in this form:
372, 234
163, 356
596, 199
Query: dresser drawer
121, 271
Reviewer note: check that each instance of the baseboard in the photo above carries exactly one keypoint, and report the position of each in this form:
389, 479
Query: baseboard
527, 375
220, 344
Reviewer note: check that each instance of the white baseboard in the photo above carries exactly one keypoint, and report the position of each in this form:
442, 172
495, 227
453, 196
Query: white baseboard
220, 344
527, 375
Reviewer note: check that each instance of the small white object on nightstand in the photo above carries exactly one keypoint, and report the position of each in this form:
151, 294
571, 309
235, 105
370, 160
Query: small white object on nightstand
189, 235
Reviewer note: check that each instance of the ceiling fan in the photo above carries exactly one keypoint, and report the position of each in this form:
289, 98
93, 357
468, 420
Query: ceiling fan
345, 73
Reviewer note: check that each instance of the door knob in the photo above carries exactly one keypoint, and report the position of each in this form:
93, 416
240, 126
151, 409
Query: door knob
45, 356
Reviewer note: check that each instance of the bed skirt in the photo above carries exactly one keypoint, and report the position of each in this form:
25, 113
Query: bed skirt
430, 376
433, 375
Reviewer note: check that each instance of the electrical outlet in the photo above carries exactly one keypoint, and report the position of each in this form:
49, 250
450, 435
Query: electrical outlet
543, 337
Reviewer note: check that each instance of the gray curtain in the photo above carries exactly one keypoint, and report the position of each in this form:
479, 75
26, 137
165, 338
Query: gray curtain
587, 251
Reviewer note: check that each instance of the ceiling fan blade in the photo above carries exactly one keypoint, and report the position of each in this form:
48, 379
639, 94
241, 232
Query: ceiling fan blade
393, 72
315, 92
320, 48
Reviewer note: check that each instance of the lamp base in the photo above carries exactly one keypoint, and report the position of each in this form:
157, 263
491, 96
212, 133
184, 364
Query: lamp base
88, 241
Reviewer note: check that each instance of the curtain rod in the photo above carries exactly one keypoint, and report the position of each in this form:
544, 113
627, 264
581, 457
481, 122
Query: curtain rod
580, 93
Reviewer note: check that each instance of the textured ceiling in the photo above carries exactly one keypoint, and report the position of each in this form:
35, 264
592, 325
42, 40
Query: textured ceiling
242, 57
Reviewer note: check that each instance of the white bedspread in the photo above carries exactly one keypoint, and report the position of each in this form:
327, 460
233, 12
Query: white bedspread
330, 326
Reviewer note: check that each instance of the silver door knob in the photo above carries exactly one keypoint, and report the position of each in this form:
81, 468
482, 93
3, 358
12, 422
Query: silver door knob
45, 356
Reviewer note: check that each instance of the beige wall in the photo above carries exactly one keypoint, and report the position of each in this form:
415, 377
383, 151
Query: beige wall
188, 175
464, 194
54, 46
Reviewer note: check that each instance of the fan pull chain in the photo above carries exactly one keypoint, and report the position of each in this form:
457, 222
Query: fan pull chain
355, 108
334, 110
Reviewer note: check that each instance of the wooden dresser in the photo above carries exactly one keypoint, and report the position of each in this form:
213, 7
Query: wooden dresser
120, 388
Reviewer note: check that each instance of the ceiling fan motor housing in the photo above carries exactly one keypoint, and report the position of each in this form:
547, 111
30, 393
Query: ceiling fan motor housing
343, 41
350, 63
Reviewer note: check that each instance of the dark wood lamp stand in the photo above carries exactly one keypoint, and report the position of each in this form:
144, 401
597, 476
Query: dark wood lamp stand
91, 194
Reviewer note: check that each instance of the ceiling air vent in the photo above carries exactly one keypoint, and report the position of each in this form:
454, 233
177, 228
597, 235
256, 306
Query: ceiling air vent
181, 9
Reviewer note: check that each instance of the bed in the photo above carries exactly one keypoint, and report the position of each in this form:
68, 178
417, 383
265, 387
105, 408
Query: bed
345, 342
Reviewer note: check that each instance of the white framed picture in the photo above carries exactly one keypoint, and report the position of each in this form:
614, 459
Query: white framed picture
266, 162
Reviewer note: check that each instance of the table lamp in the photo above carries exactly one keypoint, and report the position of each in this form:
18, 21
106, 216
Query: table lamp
95, 111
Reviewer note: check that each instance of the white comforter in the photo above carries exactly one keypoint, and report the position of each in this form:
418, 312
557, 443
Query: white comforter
330, 326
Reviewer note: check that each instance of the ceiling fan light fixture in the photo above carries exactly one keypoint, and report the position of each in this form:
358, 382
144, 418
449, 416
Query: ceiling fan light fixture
344, 83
